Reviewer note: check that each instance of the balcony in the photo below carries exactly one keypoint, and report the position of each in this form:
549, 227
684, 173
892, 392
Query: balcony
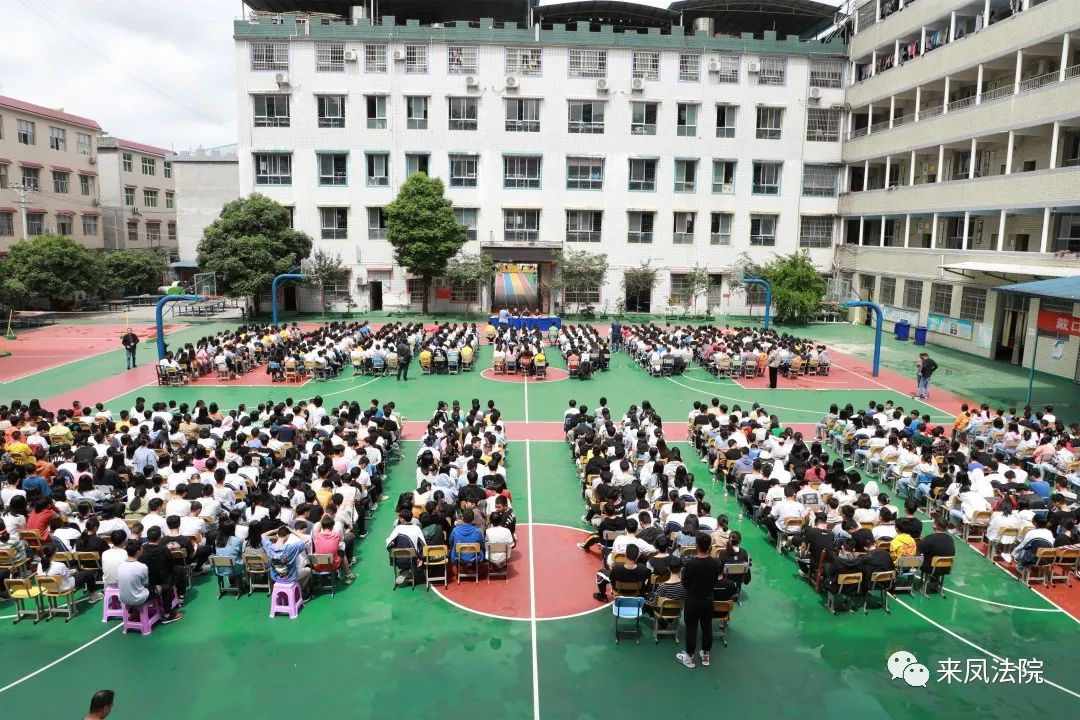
902, 22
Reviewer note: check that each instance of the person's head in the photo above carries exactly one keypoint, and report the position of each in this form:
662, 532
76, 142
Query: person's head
633, 552
703, 542
131, 547
101, 704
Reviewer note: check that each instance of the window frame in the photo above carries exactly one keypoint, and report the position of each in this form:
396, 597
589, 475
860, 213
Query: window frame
463, 123
25, 132
469, 179
326, 105
910, 286
522, 233
414, 122
518, 172
460, 65
268, 56
760, 184
976, 300
89, 225
828, 122
941, 297
827, 73
644, 184
574, 177
686, 119
376, 222
887, 297
731, 112
640, 236
61, 182
526, 112
816, 238
280, 175
337, 230
376, 103
686, 181
587, 63
814, 171
335, 177
416, 59
330, 57
575, 222
763, 237
581, 126
148, 166
372, 179
769, 122
685, 235
717, 234
643, 127
375, 61
267, 118
772, 71
523, 61
57, 138
645, 65
689, 67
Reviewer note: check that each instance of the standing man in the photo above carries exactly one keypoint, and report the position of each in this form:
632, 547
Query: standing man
130, 341
504, 318
404, 355
616, 335
100, 705
775, 359
699, 577
924, 368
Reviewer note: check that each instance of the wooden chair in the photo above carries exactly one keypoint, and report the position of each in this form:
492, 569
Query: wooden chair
934, 581
1043, 566
1006, 539
1067, 560
326, 577
436, 556
721, 618
881, 582
975, 529
258, 572
8, 563
33, 540
403, 556
22, 591
53, 593
666, 619
468, 568
90, 561
292, 371
494, 569
225, 569
907, 566
848, 586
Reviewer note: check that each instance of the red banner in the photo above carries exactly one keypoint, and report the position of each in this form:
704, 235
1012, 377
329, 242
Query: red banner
1060, 323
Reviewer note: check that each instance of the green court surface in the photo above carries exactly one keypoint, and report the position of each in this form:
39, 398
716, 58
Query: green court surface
373, 652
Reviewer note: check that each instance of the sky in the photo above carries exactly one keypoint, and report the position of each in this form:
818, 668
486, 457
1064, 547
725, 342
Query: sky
151, 71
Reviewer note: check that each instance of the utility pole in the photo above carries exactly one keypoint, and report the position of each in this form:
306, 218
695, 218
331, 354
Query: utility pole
24, 202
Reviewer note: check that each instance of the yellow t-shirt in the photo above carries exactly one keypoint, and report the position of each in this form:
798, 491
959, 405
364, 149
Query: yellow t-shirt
20, 452
466, 353
902, 545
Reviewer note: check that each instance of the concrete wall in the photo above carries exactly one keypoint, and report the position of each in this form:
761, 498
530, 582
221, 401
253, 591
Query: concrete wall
202, 189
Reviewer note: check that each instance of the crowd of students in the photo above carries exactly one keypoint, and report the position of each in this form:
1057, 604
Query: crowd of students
449, 348
584, 349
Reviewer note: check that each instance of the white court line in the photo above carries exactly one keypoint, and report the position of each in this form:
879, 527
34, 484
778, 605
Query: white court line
350, 389
53, 367
532, 573
954, 591
881, 384
766, 403
60, 659
525, 379
981, 649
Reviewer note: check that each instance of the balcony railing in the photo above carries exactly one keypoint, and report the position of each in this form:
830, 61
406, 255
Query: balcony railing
879, 126
929, 111
1003, 91
1072, 71
1038, 81
962, 103
902, 120
643, 238
859, 132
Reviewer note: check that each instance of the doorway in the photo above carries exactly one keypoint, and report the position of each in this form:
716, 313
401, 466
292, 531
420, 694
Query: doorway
1013, 332
290, 298
375, 295
639, 301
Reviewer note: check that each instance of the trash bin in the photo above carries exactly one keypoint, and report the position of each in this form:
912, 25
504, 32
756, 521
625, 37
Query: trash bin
920, 335
903, 330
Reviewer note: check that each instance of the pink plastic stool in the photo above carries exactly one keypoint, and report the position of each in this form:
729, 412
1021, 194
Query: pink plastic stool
286, 598
111, 607
141, 617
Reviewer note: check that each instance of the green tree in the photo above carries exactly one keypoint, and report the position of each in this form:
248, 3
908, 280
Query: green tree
797, 286
638, 283
471, 269
325, 271
695, 285
580, 271
51, 266
251, 242
132, 271
422, 228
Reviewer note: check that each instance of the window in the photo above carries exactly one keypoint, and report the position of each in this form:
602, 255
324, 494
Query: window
822, 125
521, 225
586, 117
170, 200
415, 286
329, 57
464, 170
521, 171
725, 120
376, 112
769, 122
149, 166
524, 61
417, 163
35, 224
7, 224
972, 303
334, 222
684, 228
685, 175
643, 174
686, 120
463, 113
467, 293
583, 225
171, 231
763, 230
689, 67
723, 177
720, 228
826, 73
271, 110
820, 180
767, 178
150, 198
153, 232
727, 67
680, 288
133, 232
887, 290
31, 178
331, 111
645, 64
467, 217
376, 223
127, 162
82, 143
129, 196
333, 169
643, 118
584, 173
582, 295
815, 232
640, 226
3, 176
61, 182
912, 294
941, 298
273, 169
167, 168
461, 59
89, 225
375, 58
522, 115
269, 55
25, 132
378, 170
588, 63
86, 185
65, 224
416, 59
773, 71
58, 138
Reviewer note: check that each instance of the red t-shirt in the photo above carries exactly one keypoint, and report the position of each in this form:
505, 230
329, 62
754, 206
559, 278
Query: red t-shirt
40, 521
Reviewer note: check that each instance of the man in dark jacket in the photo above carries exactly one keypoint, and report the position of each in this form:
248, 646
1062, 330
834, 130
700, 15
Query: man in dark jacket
159, 562
404, 353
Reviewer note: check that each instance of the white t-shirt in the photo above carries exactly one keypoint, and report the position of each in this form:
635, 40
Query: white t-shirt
111, 560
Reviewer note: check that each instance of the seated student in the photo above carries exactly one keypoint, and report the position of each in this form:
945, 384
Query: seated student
1038, 537
497, 532
465, 531
904, 542
841, 562
939, 543
286, 547
133, 582
874, 560
628, 572
734, 554
112, 558
817, 541
68, 581
326, 541
670, 587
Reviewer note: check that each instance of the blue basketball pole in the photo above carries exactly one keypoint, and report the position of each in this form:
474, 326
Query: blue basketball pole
161, 325
768, 296
877, 326
274, 286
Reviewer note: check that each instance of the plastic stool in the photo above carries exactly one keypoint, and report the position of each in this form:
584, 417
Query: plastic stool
145, 616
111, 607
286, 598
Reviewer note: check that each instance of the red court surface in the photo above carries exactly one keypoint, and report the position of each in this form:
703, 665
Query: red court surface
565, 579
553, 375
40, 349
256, 378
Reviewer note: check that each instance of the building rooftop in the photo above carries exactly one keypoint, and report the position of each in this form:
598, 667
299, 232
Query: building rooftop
42, 111
607, 12
426, 11
785, 17
222, 154
115, 142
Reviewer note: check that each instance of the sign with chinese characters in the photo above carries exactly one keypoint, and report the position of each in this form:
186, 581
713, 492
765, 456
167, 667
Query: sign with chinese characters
950, 326
903, 665
1059, 323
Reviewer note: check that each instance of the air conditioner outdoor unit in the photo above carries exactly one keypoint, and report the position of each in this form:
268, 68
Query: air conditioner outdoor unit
282, 78
92, 160
351, 56
399, 56
601, 85
637, 85
714, 66
471, 81
815, 93
511, 82
95, 202
753, 67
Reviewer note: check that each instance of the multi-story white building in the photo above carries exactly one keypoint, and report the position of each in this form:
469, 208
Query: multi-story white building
962, 167
638, 138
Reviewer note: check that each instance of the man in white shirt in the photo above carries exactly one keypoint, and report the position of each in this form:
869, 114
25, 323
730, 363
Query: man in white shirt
786, 509
498, 533
112, 558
